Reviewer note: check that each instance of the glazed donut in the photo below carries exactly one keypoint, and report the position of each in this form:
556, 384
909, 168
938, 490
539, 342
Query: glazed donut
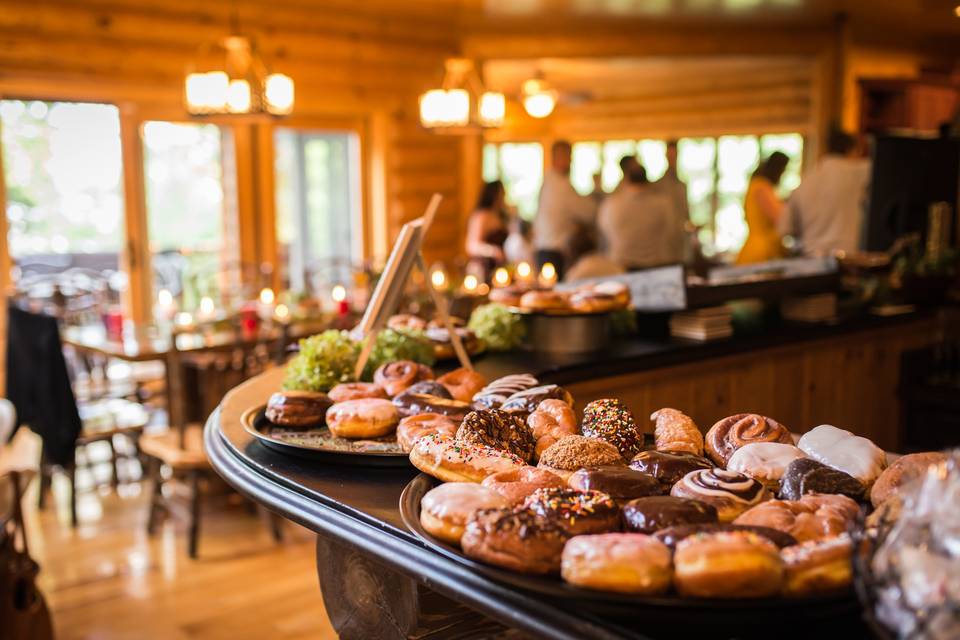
621, 562
904, 471
812, 517
356, 391
445, 510
617, 481
463, 383
575, 452
526, 402
497, 429
545, 301
676, 432
591, 301
364, 418
733, 432
672, 535
406, 322
411, 404
731, 493
845, 451
610, 420
806, 475
668, 468
818, 566
652, 513
518, 484
412, 428
577, 512
509, 296
517, 540
445, 459
551, 421
297, 410
764, 461
396, 377
732, 564
496, 393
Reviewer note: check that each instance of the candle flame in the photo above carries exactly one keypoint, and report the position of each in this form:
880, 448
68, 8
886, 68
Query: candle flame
266, 296
438, 278
501, 277
282, 312
523, 270
339, 293
548, 271
470, 282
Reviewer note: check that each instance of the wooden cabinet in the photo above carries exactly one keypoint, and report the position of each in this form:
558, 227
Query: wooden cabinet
907, 104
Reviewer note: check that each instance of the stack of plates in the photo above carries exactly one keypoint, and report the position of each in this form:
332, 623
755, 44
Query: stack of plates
711, 323
818, 308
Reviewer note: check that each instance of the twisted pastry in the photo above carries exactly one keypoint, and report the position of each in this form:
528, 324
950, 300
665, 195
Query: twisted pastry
551, 421
676, 432
731, 433
812, 517
396, 377
729, 492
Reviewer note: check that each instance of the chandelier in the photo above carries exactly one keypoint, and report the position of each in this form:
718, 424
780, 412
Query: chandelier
538, 98
461, 103
229, 77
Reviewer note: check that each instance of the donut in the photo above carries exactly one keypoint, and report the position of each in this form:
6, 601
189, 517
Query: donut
733, 432
455, 321
396, 377
412, 428
551, 421
406, 322
575, 452
445, 510
356, 391
592, 301
764, 461
443, 345
672, 535
652, 513
617, 481
411, 404
545, 301
903, 471
526, 401
509, 296
577, 512
498, 429
520, 541
297, 409
845, 451
731, 493
618, 290
495, 394
620, 562
445, 459
462, 383
806, 475
609, 420
810, 518
728, 564
818, 566
668, 468
430, 388
517, 484
364, 418
676, 432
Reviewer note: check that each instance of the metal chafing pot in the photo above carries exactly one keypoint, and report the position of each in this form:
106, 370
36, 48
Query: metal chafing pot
568, 333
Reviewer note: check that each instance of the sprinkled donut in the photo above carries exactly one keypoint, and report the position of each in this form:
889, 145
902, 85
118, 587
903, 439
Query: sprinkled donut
610, 420
577, 512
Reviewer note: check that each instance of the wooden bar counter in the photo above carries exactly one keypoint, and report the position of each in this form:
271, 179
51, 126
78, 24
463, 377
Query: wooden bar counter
379, 581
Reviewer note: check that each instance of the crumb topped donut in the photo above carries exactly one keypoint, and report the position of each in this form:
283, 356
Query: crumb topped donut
575, 452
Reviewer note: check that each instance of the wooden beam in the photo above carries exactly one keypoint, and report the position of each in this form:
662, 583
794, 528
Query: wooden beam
5, 267
135, 258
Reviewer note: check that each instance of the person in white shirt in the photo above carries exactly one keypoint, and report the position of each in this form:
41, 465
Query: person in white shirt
825, 213
637, 222
562, 213
676, 190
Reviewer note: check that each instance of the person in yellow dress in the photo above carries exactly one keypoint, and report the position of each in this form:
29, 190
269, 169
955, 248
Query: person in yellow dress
762, 209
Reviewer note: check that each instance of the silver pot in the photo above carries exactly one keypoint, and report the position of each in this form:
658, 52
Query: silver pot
578, 333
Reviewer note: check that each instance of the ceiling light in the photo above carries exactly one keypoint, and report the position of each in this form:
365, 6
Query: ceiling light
461, 102
539, 100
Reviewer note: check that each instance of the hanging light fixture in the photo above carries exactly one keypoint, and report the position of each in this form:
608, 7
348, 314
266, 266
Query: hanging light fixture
229, 77
461, 103
539, 100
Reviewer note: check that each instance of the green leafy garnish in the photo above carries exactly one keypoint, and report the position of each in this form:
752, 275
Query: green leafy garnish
497, 326
324, 361
394, 345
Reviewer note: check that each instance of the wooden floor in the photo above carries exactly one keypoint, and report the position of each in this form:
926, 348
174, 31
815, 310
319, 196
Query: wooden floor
108, 580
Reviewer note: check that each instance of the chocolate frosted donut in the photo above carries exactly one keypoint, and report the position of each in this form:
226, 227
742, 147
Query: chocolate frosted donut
496, 393
396, 377
298, 409
500, 430
667, 467
650, 514
618, 482
517, 540
610, 420
526, 401
731, 433
806, 475
411, 404
577, 512
430, 388
672, 535
731, 493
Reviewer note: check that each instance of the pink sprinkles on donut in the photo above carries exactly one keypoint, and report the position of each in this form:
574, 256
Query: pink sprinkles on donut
568, 504
610, 420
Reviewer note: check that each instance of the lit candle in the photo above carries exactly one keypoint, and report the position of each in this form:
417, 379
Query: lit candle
265, 306
524, 271
166, 305
281, 313
183, 319
438, 279
208, 310
548, 275
470, 283
339, 295
501, 277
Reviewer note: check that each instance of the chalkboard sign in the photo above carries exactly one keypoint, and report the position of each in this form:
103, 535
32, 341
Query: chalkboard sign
785, 268
651, 290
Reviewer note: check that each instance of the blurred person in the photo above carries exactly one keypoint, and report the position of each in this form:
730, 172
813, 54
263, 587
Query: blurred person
562, 213
825, 213
762, 209
627, 163
676, 190
487, 230
636, 223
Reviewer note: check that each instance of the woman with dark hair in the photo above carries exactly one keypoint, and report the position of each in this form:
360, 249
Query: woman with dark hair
487, 230
762, 209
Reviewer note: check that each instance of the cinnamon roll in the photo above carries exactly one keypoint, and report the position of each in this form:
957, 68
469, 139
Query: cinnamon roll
729, 492
396, 377
731, 433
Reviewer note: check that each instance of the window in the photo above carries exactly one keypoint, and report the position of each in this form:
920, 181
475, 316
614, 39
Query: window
318, 206
520, 166
63, 170
183, 171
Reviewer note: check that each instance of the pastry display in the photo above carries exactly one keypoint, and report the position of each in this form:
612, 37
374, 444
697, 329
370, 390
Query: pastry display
653, 513
411, 404
443, 348
396, 377
356, 391
621, 562
733, 432
672, 535
577, 512
462, 383
812, 517
509, 296
764, 461
445, 510
593, 301
609, 420
412, 428
547, 300
517, 484
406, 322
818, 566
450, 461
298, 409
845, 451
519, 540
498, 429
617, 481
668, 468
576, 452
806, 475
729, 564
902, 472
527, 400
364, 418
731, 493
496, 393
676, 432
551, 421
601, 297
619, 291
